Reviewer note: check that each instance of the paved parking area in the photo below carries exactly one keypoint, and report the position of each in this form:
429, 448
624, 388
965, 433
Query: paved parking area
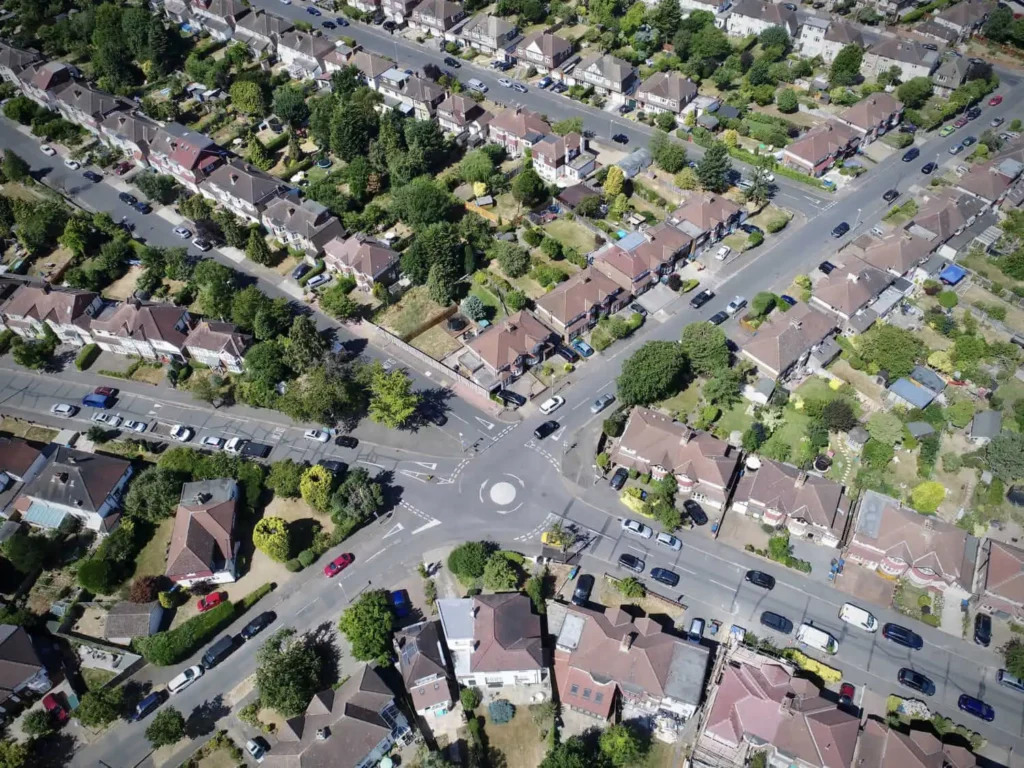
819, 557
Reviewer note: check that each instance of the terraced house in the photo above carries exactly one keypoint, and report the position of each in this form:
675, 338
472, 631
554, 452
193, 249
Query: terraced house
187, 155
261, 31
86, 106
131, 133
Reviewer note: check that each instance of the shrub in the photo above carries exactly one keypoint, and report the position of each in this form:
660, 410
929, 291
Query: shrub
307, 557
776, 224
271, 537
86, 356
501, 711
631, 587
470, 698
533, 237
824, 671
293, 566
467, 561
948, 299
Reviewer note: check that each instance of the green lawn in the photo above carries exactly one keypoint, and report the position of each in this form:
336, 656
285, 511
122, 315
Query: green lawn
413, 311
153, 558
735, 418
96, 678
817, 388
495, 310
683, 403
571, 234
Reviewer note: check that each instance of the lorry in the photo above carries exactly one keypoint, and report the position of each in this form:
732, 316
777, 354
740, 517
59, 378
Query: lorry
96, 400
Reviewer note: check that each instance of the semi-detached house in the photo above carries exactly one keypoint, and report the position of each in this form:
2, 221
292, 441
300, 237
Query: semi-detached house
218, 345
67, 312
752, 17
84, 105
41, 81
912, 58
363, 258
873, 116
187, 155
261, 31
666, 92
706, 219
424, 666
821, 37
577, 304
505, 351
543, 50
242, 188
818, 150
13, 61
488, 33
304, 224
517, 130
564, 160
304, 54
437, 17
785, 340
21, 671
218, 17
1001, 579
150, 331
131, 133
459, 114
609, 75
410, 94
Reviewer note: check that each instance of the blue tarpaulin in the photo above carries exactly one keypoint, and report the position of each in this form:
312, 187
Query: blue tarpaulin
952, 274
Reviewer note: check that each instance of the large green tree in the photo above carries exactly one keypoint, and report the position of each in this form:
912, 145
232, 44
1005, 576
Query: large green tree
166, 728
392, 401
14, 167
713, 169
421, 203
846, 66
306, 347
367, 625
893, 349
290, 105
288, 670
654, 372
622, 745
100, 707
257, 250
1005, 456
153, 494
528, 188
707, 348
357, 499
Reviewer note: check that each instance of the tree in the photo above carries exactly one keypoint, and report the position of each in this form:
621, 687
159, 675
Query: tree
439, 242
248, 99
668, 155
892, 349
473, 308
885, 427
157, 186
271, 537
468, 560
513, 259
306, 347
760, 189
290, 105
838, 416
288, 670
26, 551
614, 182
285, 478
392, 401
13, 754
100, 707
915, 92
960, 413
724, 388
927, 496
442, 279
754, 437
571, 753
216, 287
620, 743
713, 169
666, 18
14, 167
877, 454
153, 494
1013, 655
470, 698
774, 37
167, 727
500, 574
706, 347
787, 101
421, 203
476, 166
501, 711
1005, 456
846, 67
654, 372
257, 250
367, 625
687, 179
358, 498
36, 723
709, 42
315, 487
337, 301
528, 188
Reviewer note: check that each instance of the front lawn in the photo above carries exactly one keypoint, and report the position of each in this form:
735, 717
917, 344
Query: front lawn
411, 313
435, 342
572, 235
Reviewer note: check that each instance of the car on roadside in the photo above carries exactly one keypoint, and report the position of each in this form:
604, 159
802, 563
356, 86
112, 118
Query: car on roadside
504, 82
127, 199
976, 707
638, 308
636, 528
64, 410
552, 404
891, 195
956, 149
341, 21
632, 563
847, 691
982, 629
696, 512
947, 130
840, 229
969, 141
520, 88
668, 540
735, 305
92, 176
826, 267
452, 62
902, 636
181, 433
329, 25
911, 154
760, 579
602, 402
185, 679
313, 11
136, 426
257, 625
336, 468
995, 101
338, 564
997, 121
107, 420
916, 681
48, 150
202, 245
183, 232
973, 113
544, 82
560, 88
545, 429
702, 298
257, 749
776, 621
211, 601
212, 442
928, 168
665, 576
510, 399
147, 706
620, 138
317, 436
961, 122
718, 318
619, 478
582, 347
346, 441
723, 253
584, 588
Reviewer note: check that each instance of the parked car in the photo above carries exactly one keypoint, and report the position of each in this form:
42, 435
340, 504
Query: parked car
545, 429
92, 176
826, 267
452, 62
969, 141
552, 404
891, 195
257, 625
982, 629
519, 88
751, 229
670, 541
718, 318
47, 150
212, 442
317, 436
185, 679
840, 229
602, 402
761, 579
57, 711
330, 25
960, 122
341, 21
346, 441
313, 11
211, 600
696, 633
544, 82
956, 149
911, 154
584, 587
902, 636
695, 511
147, 705
338, 564
928, 168
181, 433
916, 681
202, 245
736, 305
400, 604
619, 478
973, 113
582, 347
256, 748
723, 253
702, 298
995, 101
322, 279
637, 528
947, 130
136, 426
976, 707
567, 354
997, 121
620, 138
300, 271
665, 576
632, 563
64, 410
107, 420
777, 622
127, 199
788, 299
510, 398
183, 232
504, 82
122, 168
846, 693
336, 468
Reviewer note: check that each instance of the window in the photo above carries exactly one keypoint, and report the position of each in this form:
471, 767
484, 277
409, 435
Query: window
574, 690
599, 697
586, 693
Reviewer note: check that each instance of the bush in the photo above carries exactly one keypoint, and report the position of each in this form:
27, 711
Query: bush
467, 561
470, 698
293, 566
948, 299
166, 648
86, 356
501, 711
631, 587
776, 224
307, 557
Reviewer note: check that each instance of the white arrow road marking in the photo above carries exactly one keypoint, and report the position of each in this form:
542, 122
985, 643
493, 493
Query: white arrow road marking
370, 463
421, 476
558, 435
517, 479
433, 523
486, 423
426, 464
398, 527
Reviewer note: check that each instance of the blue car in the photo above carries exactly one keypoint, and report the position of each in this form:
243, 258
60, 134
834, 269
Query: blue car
582, 347
313, 12
976, 707
400, 603
788, 299
544, 82
147, 705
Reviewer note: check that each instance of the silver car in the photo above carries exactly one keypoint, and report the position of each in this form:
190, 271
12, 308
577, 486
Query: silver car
602, 402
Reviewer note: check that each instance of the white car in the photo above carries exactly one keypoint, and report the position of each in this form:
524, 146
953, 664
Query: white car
183, 232
254, 748
519, 87
64, 410
47, 150
235, 445
670, 541
185, 679
736, 305
181, 433
202, 245
74, 165
504, 82
213, 442
318, 280
107, 418
136, 426
723, 253
637, 529
317, 436
552, 404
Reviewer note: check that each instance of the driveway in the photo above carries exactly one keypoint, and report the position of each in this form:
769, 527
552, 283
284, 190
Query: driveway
819, 557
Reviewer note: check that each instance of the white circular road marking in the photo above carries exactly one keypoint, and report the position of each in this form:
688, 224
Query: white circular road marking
503, 493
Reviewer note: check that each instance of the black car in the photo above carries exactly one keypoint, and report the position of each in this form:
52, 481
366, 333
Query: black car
827, 267
632, 562
620, 138
718, 318
545, 429
911, 154
930, 46
902, 636
390, 26
968, 141
751, 229
983, 629
701, 299
341, 21
638, 308
840, 229
761, 579
891, 195
329, 25
569, 355
452, 62
508, 397
775, 621
346, 441
584, 586
333, 466
300, 270
378, 19
908, 128
916, 681
973, 114
92, 176
142, 206
928, 168
127, 199
696, 513
257, 625
619, 478
665, 576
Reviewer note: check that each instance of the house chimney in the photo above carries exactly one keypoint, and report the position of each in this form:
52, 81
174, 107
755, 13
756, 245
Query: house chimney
322, 734
627, 642
234, 179
852, 277
801, 480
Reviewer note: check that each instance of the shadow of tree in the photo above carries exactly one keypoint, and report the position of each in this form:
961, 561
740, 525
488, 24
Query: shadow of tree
323, 640
51, 751
203, 719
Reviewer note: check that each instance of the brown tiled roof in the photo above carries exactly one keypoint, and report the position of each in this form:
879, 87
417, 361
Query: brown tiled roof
423, 664
520, 123
246, 182
749, 700
551, 46
62, 307
554, 148
989, 180
360, 253
586, 289
16, 456
461, 109
204, 525
884, 747
305, 43
1004, 575
896, 252
264, 24
218, 337
796, 493
519, 334
18, 659
821, 142
706, 211
621, 266
851, 286
184, 146
127, 619
610, 67
906, 51
507, 633
781, 341
143, 322
439, 9
45, 75
669, 85
872, 111
841, 32
370, 64
77, 479
663, 243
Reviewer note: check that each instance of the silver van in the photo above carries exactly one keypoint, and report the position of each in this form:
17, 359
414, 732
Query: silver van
476, 85
1005, 678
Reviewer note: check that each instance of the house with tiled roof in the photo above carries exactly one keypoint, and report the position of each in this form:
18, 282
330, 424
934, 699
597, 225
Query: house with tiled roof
808, 505
811, 37
84, 105
517, 130
261, 31
638, 262
543, 50
1001, 579
509, 348
203, 545
704, 466
178, 11
950, 75
609, 75
900, 543
494, 641
410, 94
990, 181
850, 287
424, 666
459, 114
758, 703
488, 33
22, 672
818, 150
786, 339
605, 659
882, 746
19, 459
41, 80
437, 17
896, 253
576, 305
218, 17
304, 224
985, 427
131, 133
371, 67
752, 17
706, 218
360, 256
304, 53
242, 188
911, 57
398, 11
563, 160
966, 17
218, 345
149, 331
187, 155
355, 726
75, 484
666, 92
839, 35
68, 312
943, 215
873, 116
13, 61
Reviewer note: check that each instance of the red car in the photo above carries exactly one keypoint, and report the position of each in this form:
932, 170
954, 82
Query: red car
122, 168
338, 564
55, 708
995, 100
212, 600
846, 694
105, 391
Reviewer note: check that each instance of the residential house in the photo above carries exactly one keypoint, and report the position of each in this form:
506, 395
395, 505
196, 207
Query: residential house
458, 114
510, 347
371, 66
966, 18
131, 133
706, 218
811, 40
931, 28
243, 189
84, 105
666, 92
704, 466
543, 50
885, 747
19, 460
839, 35
218, 17
924, 549
850, 287
203, 545
126, 621
752, 17
355, 726
41, 80
985, 426
712, 6
563, 160
808, 505
1001, 579
178, 11
991, 181
398, 11
218, 345
367, 6
610, 76
75, 484
494, 640
488, 34
22, 673
607, 661
950, 75
571, 197
13, 61
896, 253
912, 59
786, 339
437, 17
576, 305
185, 154
68, 312
303, 54
944, 215
150, 331
818, 150
304, 224
517, 130
634, 271
367, 260
758, 703
655, 249
261, 31
424, 667
410, 94
908, 394
873, 116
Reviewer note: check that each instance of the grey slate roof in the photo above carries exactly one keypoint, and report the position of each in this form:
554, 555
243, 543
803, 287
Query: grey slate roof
987, 424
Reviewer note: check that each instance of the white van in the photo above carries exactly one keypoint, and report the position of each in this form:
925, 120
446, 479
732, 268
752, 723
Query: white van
1010, 681
851, 614
476, 85
815, 638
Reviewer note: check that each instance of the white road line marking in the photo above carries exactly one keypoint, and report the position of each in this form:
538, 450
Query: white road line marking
433, 523
381, 552
396, 529
426, 464
485, 422
458, 417
580, 404
307, 605
369, 463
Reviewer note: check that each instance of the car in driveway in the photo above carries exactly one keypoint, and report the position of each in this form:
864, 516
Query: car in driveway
982, 629
891, 195
300, 271
552, 404
696, 632
826, 267
928, 168
400, 604
57, 711
900, 635
582, 347
584, 587
210, 601
637, 528
257, 749
788, 299
64, 410
670, 541
847, 691
702, 298
751, 229
911, 154
718, 318
567, 354
545, 429
631, 562
696, 512
619, 478
976, 707
665, 576
602, 402
544, 82
840, 229
92, 176
620, 138
316, 282
510, 398
735, 305
760, 579
916, 681
776, 621
338, 564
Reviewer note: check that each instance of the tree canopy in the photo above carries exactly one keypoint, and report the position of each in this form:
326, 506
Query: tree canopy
368, 624
288, 670
713, 169
654, 372
707, 348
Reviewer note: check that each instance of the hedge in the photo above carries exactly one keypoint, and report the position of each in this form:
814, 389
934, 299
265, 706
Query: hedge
86, 356
824, 671
316, 270
5, 341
